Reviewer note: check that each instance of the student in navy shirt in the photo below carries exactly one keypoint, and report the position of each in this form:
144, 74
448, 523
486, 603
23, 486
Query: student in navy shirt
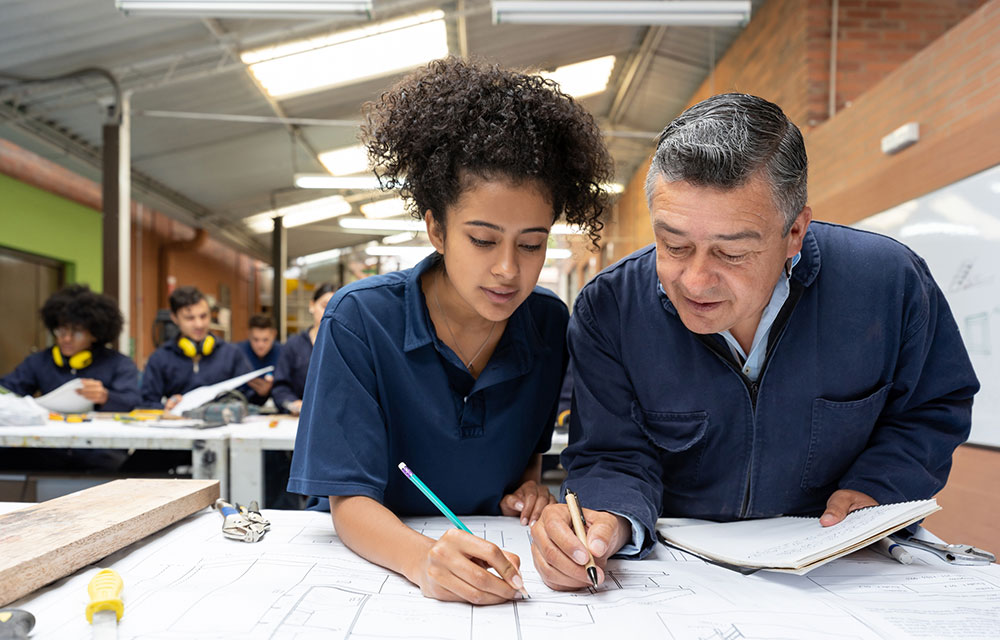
83, 324
261, 350
453, 366
293, 365
195, 359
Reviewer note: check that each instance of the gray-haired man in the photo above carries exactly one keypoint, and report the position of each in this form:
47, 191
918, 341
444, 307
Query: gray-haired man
750, 364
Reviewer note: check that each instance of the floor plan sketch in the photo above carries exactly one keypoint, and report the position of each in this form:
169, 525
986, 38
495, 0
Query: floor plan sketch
301, 582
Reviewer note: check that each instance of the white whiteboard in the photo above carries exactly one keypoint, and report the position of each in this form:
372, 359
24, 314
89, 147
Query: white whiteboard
957, 231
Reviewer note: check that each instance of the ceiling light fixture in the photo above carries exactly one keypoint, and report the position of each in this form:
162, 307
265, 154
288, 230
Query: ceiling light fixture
345, 161
323, 181
347, 57
582, 79
710, 13
383, 225
247, 8
299, 214
388, 208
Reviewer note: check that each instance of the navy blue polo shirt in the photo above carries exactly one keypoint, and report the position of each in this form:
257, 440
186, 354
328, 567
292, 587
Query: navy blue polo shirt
270, 359
290, 372
40, 373
169, 372
382, 388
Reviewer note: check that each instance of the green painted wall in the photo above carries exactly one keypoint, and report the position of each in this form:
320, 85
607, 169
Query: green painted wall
35, 221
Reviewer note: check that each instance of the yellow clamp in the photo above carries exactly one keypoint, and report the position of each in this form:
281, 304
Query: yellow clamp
105, 591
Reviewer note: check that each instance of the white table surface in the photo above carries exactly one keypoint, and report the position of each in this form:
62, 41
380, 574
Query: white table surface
209, 447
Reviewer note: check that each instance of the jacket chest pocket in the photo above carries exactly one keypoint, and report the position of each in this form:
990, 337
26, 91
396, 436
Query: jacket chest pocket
839, 433
680, 437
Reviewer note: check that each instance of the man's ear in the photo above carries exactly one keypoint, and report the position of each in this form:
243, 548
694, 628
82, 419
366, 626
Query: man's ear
435, 232
798, 231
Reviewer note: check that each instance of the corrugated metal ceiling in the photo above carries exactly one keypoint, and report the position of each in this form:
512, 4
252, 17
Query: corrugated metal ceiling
231, 170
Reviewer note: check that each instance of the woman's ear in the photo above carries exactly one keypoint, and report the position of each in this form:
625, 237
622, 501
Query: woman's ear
435, 232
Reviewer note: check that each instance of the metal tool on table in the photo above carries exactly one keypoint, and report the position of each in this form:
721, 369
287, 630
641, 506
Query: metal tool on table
241, 522
961, 554
105, 608
15, 624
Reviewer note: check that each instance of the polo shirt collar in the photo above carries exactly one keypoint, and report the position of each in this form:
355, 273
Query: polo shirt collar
517, 347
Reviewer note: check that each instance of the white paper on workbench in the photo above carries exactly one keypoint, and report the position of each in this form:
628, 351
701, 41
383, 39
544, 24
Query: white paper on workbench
197, 397
65, 399
301, 581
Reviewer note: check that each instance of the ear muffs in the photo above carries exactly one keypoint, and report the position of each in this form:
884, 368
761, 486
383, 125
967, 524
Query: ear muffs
190, 349
79, 360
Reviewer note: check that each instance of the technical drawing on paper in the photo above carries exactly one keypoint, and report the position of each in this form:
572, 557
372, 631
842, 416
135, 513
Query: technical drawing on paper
301, 582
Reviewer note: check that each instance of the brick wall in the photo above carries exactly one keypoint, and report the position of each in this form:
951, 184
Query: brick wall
897, 61
874, 38
951, 88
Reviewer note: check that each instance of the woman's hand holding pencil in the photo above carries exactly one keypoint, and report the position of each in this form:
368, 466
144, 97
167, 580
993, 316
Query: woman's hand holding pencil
455, 566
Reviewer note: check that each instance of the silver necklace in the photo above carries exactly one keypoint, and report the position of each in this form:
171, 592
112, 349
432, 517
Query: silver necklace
447, 325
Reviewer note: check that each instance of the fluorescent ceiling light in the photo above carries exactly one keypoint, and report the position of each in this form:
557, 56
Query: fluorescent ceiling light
323, 181
413, 253
313, 259
345, 161
388, 208
299, 214
383, 225
585, 78
247, 8
710, 13
349, 56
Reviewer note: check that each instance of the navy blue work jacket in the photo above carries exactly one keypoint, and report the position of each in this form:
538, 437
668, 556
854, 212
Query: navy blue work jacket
383, 389
270, 359
169, 372
290, 372
39, 373
866, 386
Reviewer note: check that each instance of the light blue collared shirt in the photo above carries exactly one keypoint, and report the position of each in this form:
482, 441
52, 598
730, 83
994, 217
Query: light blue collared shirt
752, 365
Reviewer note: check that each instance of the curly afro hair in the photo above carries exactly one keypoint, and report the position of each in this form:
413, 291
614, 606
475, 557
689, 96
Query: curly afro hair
78, 306
455, 120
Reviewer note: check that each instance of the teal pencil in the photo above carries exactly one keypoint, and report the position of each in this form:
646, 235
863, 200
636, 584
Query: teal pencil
424, 489
442, 507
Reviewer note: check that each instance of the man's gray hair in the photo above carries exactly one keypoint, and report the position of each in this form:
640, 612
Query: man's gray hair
725, 140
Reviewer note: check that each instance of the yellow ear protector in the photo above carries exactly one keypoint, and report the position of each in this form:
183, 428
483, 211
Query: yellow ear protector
79, 360
190, 349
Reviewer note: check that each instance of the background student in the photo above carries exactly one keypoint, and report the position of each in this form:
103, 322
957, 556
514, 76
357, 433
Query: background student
261, 350
290, 373
196, 358
83, 324
453, 366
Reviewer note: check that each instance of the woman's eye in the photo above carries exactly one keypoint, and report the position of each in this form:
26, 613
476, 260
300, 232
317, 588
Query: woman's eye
531, 247
481, 243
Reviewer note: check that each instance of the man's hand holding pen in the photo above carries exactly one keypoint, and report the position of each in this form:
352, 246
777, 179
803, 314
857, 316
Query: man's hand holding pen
561, 558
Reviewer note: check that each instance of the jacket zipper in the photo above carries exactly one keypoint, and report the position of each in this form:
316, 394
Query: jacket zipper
753, 388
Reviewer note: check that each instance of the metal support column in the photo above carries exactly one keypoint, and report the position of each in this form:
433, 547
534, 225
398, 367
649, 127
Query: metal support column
279, 258
117, 224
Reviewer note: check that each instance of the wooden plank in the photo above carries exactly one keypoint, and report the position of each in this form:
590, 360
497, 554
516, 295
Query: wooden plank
50, 540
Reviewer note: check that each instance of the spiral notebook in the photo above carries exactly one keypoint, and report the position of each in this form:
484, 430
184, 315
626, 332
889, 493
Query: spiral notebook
790, 544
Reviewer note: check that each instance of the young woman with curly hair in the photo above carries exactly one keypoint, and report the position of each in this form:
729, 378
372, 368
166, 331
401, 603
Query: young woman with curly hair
453, 366
83, 323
